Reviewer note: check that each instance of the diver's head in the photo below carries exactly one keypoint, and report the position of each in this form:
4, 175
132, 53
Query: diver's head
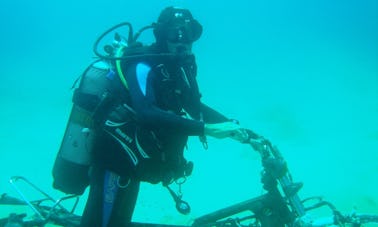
176, 30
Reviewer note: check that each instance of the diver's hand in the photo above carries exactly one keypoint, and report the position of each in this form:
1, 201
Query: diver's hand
226, 129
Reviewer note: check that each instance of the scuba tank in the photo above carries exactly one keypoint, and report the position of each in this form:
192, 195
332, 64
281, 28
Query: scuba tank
72, 163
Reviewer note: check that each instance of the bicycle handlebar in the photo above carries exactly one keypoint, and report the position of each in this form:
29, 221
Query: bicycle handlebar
268, 152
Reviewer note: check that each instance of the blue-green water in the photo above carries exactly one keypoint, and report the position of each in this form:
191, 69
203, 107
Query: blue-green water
302, 73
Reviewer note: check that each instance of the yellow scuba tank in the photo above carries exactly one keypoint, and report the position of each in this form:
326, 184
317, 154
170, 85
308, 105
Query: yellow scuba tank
71, 167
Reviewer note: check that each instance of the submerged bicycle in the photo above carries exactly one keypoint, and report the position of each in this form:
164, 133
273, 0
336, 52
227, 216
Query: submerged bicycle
280, 206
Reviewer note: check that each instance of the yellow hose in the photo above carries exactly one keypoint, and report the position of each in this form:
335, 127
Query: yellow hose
119, 54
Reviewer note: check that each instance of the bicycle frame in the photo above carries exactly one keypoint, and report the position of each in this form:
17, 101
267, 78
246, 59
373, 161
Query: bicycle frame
280, 206
44, 213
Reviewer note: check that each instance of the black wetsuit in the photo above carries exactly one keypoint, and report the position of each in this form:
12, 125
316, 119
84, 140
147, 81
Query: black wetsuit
146, 143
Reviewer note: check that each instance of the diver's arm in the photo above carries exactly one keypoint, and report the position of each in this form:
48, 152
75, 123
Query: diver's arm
148, 114
209, 115
212, 116
219, 126
140, 83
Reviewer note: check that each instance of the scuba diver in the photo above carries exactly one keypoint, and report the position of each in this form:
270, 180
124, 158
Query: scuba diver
134, 112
